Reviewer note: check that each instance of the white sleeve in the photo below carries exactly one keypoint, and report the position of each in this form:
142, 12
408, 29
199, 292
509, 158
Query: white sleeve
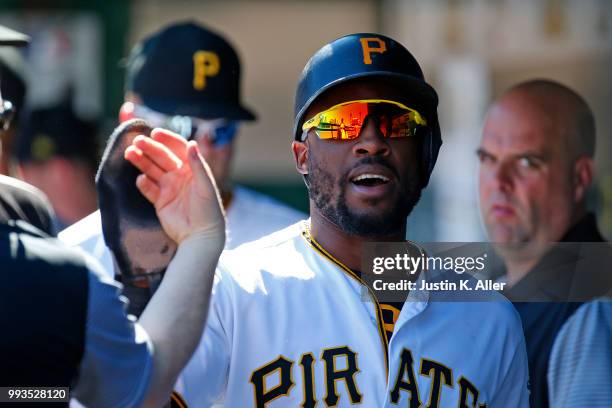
513, 391
117, 362
203, 381
580, 366
86, 235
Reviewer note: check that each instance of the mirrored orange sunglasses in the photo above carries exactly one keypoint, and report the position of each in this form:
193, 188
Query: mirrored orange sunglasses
345, 121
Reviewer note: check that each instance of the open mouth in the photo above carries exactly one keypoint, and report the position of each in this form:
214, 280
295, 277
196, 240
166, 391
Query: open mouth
370, 180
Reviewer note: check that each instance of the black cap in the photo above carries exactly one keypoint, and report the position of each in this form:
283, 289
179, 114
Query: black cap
12, 37
56, 131
186, 69
12, 77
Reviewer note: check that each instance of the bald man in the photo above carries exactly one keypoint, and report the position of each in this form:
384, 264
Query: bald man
536, 166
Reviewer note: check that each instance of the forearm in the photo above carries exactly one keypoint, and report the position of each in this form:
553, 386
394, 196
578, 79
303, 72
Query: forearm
174, 318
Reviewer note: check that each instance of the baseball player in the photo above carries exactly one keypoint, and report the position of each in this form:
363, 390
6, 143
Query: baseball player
291, 322
18, 200
201, 103
54, 144
14, 88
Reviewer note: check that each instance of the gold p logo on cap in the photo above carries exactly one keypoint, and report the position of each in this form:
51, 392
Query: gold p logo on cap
205, 64
370, 45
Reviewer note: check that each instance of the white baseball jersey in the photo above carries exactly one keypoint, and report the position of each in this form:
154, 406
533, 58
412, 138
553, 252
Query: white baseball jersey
251, 215
289, 326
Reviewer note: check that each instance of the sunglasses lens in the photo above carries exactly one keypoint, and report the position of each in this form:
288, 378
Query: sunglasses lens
342, 123
403, 125
345, 121
224, 134
218, 131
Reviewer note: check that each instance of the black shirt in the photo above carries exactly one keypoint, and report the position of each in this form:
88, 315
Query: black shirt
43, 301
21, 201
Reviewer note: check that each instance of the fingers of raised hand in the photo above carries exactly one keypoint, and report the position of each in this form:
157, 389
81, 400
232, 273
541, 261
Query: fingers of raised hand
143, 163
172, 141
148, 188
157, 153
200, 170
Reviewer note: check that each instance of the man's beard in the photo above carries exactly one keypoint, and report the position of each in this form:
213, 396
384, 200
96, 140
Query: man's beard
333, 206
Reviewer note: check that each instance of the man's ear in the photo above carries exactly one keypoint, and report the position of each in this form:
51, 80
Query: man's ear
300, 154
584, 172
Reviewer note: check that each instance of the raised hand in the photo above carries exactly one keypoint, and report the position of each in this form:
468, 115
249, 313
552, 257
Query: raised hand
179, 183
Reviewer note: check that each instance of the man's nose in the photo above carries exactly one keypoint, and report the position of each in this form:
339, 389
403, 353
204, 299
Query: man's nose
503, 177
371, 141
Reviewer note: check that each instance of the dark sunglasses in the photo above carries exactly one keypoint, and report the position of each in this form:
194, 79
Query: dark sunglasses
219, 132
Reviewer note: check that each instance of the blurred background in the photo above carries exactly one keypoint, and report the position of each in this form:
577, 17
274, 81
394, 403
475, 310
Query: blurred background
470, 50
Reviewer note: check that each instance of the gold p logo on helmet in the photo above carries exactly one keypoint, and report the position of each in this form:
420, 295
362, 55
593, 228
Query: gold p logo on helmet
370, 45
205, 64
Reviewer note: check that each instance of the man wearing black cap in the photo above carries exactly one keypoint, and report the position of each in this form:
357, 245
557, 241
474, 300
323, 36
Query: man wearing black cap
18, 200
186, 78
58, 153
13, 86
64, 324
293, 321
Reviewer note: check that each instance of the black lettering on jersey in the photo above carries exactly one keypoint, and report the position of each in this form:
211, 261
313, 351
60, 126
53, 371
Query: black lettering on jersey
332, 374
258, 378
177, 401
439, 374
307, 363
467, 391
409, 384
